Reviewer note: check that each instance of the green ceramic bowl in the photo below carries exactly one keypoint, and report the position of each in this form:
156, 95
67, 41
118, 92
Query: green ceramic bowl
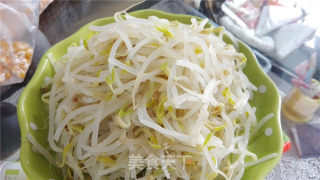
31, 108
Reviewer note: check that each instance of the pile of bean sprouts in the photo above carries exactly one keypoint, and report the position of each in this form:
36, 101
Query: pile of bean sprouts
150, 86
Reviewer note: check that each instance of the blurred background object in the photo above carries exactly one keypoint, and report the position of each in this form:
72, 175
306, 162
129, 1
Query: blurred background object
298, 106
10, 130
286, 32
304, 98
22, 44
44, 4
12, 170
18, 24
307, 139
18, 33
23, 36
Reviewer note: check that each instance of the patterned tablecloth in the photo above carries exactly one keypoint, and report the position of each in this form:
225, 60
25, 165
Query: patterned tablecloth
291, 166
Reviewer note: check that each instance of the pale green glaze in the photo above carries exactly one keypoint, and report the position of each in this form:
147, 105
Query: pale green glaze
31, 108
